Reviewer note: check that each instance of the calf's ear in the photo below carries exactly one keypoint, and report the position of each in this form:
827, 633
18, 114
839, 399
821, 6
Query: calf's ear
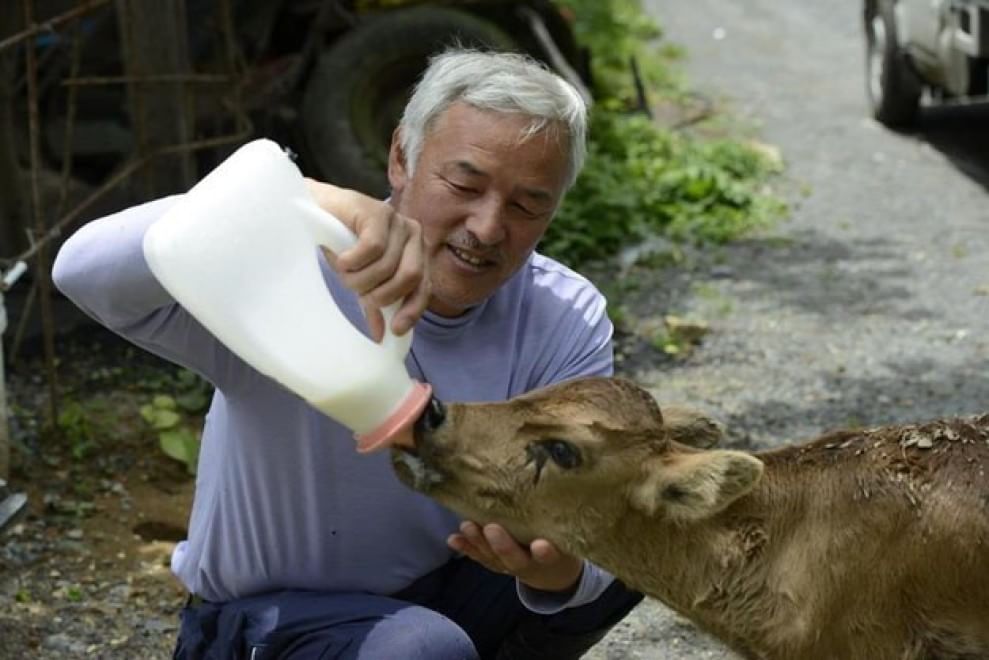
691, 427
694, 486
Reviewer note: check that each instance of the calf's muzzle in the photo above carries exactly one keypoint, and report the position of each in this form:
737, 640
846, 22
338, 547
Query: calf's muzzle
431, 419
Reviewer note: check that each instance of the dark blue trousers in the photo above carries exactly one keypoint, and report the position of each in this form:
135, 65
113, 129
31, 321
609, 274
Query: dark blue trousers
461, 611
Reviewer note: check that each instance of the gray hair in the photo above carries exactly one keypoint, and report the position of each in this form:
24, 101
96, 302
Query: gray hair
500, 82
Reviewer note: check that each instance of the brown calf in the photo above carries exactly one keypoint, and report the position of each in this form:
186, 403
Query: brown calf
860, 545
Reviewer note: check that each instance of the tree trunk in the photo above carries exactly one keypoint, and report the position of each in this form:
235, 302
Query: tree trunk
154, 42
13, 204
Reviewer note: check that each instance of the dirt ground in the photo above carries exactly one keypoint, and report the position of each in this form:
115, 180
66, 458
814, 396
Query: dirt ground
85, 572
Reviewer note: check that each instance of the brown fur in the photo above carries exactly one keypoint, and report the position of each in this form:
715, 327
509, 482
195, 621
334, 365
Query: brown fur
860, 545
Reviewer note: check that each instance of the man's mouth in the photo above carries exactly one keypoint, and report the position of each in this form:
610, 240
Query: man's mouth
469, 258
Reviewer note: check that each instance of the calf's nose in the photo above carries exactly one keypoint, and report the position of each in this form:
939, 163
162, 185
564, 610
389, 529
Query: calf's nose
432, 417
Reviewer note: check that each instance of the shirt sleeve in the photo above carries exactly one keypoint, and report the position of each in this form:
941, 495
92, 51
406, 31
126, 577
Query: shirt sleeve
592, 350
101, 268
577, 335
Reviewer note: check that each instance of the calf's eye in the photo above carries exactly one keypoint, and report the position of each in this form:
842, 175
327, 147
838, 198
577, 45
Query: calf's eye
563, 453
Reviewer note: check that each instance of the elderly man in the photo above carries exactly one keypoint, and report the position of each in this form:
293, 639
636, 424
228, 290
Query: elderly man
299, 547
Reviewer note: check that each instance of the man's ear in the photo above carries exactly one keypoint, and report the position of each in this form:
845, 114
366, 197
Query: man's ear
694, 486
398, 173
691, 427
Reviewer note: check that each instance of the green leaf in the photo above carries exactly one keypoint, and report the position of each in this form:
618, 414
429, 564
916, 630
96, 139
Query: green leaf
147, 413
187, 378
182, 445
161, 420
192, 402
164, 402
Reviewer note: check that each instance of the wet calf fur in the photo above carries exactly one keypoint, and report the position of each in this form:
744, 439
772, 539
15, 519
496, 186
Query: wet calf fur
860, 545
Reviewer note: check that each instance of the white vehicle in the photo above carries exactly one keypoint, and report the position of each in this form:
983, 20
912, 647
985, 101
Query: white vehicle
913, 46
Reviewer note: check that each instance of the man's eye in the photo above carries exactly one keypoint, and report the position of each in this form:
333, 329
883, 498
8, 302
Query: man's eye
563, 453
461, 188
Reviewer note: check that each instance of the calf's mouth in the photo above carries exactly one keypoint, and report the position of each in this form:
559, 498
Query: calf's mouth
415, 472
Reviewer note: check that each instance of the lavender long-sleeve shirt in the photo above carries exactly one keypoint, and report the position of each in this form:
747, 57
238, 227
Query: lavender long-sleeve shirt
283, 500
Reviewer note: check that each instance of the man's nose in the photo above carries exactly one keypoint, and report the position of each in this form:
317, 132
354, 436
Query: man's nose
486, 223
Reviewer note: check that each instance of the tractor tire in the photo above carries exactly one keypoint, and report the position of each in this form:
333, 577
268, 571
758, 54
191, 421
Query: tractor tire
360, 85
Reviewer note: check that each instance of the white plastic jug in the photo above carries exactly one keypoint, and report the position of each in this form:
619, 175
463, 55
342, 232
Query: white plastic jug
240, 253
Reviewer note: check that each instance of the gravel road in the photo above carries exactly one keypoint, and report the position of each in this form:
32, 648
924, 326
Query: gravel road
870, 305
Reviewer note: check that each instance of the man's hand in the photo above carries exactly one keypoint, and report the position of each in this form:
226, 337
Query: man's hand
386, 265
540, 566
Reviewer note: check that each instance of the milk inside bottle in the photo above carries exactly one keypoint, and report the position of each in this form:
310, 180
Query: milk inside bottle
239, 252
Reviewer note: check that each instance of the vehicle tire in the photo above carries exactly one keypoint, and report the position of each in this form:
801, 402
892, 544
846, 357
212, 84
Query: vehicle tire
358, 89
892, 86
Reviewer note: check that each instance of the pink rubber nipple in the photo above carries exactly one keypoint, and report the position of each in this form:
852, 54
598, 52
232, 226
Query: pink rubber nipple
397, 429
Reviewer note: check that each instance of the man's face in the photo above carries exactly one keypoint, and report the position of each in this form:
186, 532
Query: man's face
484, 199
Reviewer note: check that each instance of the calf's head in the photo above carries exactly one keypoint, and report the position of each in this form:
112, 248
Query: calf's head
570, 461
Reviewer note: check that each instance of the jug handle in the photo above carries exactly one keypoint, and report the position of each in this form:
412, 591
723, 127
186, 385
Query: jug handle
330, 232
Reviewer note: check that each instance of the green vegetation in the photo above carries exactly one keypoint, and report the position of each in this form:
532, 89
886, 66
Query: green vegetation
678, 336
640, 178
615, 31
94, 421
88, 425
169, 417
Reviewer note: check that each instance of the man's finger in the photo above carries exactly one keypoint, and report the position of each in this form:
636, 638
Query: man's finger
457, 542
480, 549
473, 534
331, 257
512, 555
374, 231
366, 217
461, 544
499, 539
375, 320
368, 278
397, 275
416, 301
544, 552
